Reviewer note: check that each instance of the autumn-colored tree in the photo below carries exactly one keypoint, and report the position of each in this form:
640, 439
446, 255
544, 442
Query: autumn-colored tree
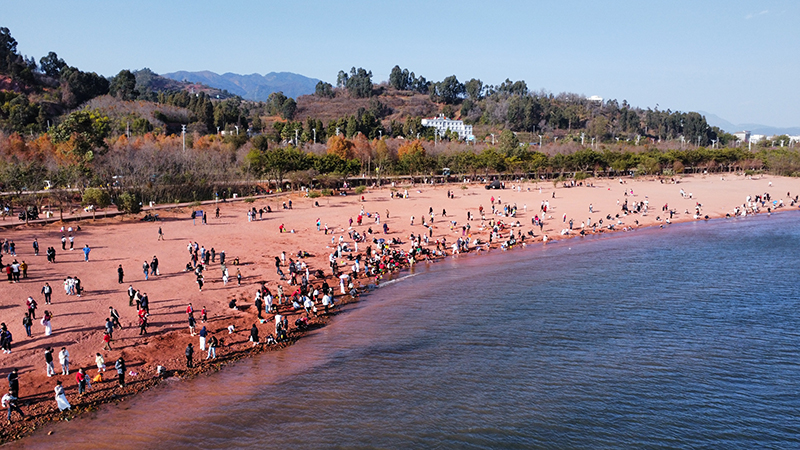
413, 156
341, 147
411, 148
363, 151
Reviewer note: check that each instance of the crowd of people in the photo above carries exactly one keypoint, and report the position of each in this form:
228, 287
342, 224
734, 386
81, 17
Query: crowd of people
362, 252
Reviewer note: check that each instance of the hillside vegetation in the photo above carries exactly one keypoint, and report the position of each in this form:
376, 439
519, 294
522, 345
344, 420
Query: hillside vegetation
125, 134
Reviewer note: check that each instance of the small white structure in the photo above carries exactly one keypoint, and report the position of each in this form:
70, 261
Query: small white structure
443, 124
595, 98
756, 138
743, 136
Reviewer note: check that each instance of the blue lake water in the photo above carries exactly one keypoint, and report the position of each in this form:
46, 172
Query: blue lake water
679, 338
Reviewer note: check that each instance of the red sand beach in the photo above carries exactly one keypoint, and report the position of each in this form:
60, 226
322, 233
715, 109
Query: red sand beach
78, 322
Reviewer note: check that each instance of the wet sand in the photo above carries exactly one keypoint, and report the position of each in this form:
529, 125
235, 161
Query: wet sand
78, 322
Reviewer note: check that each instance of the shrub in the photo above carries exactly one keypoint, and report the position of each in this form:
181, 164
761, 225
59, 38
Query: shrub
314, 194
249, 200
327, 192
126, 202
360, 189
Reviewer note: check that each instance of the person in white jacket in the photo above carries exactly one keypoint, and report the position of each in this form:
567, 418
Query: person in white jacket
63, 359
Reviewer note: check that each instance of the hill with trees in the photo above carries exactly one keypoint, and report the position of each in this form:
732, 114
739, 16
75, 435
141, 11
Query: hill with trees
125, 134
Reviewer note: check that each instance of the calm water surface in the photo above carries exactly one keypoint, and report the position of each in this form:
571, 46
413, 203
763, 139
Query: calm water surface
678, 338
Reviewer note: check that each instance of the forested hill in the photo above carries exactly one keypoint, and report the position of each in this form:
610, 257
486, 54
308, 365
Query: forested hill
33, 95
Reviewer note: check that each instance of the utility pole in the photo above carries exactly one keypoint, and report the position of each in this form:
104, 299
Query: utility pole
183, 134
315, 134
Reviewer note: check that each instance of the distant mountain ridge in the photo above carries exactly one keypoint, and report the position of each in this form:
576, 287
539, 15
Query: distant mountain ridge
753, 128
253, 86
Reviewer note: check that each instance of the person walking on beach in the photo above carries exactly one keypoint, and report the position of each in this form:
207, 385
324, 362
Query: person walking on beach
101, 362
120, 274
203, 333
146, 270
13, 382
192, 324
80, 377
27, 322
160, 234
189, 356
114, 317
120, 366
61, 397
5, 338
48, 329
63, 359
31, 304
254, 335
48, 292
9, 401
109, 327
142, 322
86, 251
258, 304
212, 348
107, 341
48, 360
35, 247
154, 266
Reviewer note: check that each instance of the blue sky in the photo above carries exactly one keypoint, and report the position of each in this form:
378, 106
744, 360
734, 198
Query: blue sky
735, 59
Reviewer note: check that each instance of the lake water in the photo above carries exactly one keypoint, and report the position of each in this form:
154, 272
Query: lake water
679, 338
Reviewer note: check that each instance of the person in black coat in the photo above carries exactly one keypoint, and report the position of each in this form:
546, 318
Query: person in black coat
254, 335
189, 356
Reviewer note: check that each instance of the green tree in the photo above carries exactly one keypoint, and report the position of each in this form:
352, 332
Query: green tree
359, 83
288, 109
508, 141
474, 89
128, 203
85, 131
123, 86
399, 78
447, 91
78, 87
51, 65
97, 198
324, 90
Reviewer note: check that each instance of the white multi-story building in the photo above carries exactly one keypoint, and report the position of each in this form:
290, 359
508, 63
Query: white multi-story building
443, 124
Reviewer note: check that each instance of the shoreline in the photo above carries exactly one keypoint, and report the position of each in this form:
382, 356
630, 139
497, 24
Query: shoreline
172, 340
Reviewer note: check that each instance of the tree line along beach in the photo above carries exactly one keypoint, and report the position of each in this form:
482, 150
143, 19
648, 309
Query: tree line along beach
308, 233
